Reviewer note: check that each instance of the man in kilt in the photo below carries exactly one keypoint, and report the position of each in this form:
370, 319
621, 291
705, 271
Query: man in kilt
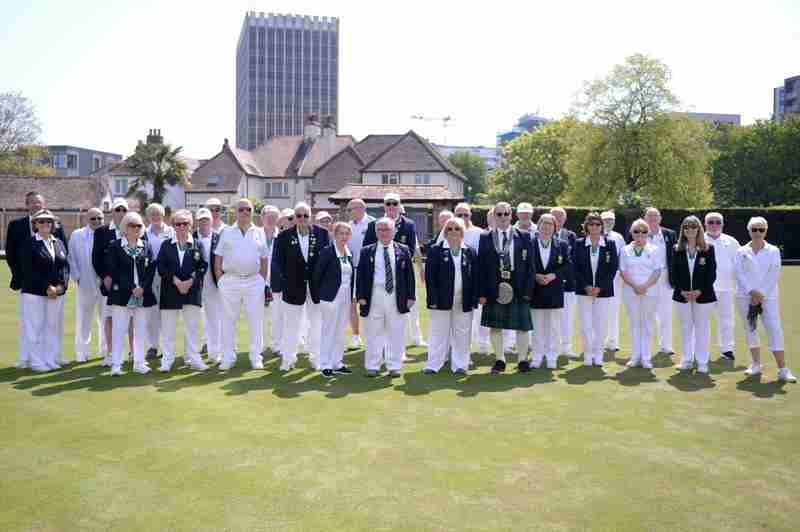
505, 263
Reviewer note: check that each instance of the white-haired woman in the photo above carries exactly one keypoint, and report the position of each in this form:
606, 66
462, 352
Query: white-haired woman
640, 268
132, 266
758, 272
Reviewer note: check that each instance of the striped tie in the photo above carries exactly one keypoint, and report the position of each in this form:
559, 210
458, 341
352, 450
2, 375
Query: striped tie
388, 266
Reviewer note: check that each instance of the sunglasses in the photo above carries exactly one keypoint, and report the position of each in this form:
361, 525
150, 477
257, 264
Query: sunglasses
95, 219
214, 209
290, 218
302, 216
758, 229
391, 204
463, 215
714, 222
501, 214
638, 232
593, 223
180, 224
120, 209
458, 229
692, 226
245, 209
135, 226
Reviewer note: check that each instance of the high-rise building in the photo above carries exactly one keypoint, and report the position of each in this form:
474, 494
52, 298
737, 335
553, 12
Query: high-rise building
526, 123
287, 67
786, 99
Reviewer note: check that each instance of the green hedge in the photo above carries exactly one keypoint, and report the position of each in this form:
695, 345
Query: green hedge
783, 222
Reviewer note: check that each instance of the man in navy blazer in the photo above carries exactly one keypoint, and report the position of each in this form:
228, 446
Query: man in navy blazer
405, 229
18, 239
294, 255
385, 289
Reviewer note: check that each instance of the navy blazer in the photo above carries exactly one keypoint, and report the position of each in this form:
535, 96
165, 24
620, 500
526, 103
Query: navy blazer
120, 266
570, 238
406, 233
703, 276
327, 276
440, 278
404, 281
41, 269
607, 266
522, 278
551, 296
169, 266
18, 238
293, 274
103, 237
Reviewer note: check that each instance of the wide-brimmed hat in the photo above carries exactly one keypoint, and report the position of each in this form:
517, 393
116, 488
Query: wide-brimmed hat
43, 214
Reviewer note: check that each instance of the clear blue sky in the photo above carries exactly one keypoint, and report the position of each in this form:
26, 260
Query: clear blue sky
101, 73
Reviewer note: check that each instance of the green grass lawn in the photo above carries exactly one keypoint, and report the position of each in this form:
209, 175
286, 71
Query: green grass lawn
259, 450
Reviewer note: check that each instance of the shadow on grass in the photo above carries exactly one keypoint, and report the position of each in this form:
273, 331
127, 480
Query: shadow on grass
759, 388
12, 374
584, 374
686, 381
635, 376
416, 383
721, 365
663, 360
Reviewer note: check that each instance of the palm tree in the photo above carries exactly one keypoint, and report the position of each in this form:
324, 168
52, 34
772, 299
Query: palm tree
159, 165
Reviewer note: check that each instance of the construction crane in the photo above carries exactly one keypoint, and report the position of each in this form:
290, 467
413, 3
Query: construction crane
445, 120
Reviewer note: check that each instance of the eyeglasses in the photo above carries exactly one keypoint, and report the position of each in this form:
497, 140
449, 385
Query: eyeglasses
758, 229
44, 222
589, 224
120, 209
692, 226
214, 209
95, 219
245, 209
457, 229
135, 226
391, 203
180, 224
463, 215
302, 216
714, 222
501, 214
638, 232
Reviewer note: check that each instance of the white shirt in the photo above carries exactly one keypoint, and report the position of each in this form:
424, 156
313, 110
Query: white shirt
347, 269
639, 269
544, 252
530, 231
458, 282
269, 241
758, 271
472, 238
154, 240
691, 259
594, 258
174, 240
241, 253
618, 240
725, 248
206, 242
218, 228
510, 234
356, 241
48, 245
380, 265
657, 240
303, 240
81, 242
126, 244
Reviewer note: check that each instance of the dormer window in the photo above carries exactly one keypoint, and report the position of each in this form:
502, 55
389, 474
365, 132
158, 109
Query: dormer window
214, 180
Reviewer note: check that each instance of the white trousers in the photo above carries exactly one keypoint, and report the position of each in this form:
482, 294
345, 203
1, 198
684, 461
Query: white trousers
335, 315
120, 321
384, 327
191, 337
23, 358
562, 327
594, 324
88, 312
154, 318
664, 314
479, 334
213, 314
771, 319
293, 328
546, 327
414, 336
614, 303
694, 319
723, 309
278, 322
641, 316
236, 292
271, 327
449, 330
42, 337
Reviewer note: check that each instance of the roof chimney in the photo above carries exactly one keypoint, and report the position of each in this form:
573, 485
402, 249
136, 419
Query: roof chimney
328, 138
311, 130
154, 137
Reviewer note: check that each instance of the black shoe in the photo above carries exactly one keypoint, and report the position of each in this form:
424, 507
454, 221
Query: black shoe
499, 366
524, 366
204, 349
428, 371
728, 355
327, 373
344, 370
152, 354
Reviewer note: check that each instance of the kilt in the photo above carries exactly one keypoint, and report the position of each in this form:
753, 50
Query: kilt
516, 316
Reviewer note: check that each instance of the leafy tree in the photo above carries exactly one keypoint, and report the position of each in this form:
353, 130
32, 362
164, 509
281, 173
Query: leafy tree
159, 165
474, 169
26, 160
18, 122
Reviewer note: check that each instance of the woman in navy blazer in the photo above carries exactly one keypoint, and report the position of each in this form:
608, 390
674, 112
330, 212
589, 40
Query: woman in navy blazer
332, 288
46, 278
182, 270
551, 259
595, 262
451, 278
131, 266
693, 271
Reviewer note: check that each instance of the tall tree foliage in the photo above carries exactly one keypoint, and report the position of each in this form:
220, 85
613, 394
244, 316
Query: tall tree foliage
158, 165
20, 153
473, 168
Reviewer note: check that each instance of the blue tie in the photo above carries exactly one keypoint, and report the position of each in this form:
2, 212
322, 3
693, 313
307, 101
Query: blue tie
388, 266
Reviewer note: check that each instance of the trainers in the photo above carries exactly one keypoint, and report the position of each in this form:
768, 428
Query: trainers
144, 369
685, 365
327, 373
647, 365
258, 364
22, 364
344, 370
116, 371
633, 363
753, 370
728, 355
164, 369
80, 359
198, 365
523, 366
106, 363
225, 366
499, 366
786, 376
702, 368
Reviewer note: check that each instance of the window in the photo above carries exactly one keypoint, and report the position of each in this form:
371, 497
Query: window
120, 186
96, 163
59, 160
422, 179
277, 190
72, 161
390, 179
214, 180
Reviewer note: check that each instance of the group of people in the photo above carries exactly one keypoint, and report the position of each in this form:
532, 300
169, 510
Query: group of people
303, 280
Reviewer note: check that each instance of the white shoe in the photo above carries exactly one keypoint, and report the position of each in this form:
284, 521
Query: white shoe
22, 364
106, 363
166, 365
685, 365
786, 376
633, 363
258, 364
40, 369
144, 369
53, 365
116, 371
753, 370
225, 366
647, 365
421, 343
702, 368
214, 359
81, 358
552, 364
355, 342
588, 363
